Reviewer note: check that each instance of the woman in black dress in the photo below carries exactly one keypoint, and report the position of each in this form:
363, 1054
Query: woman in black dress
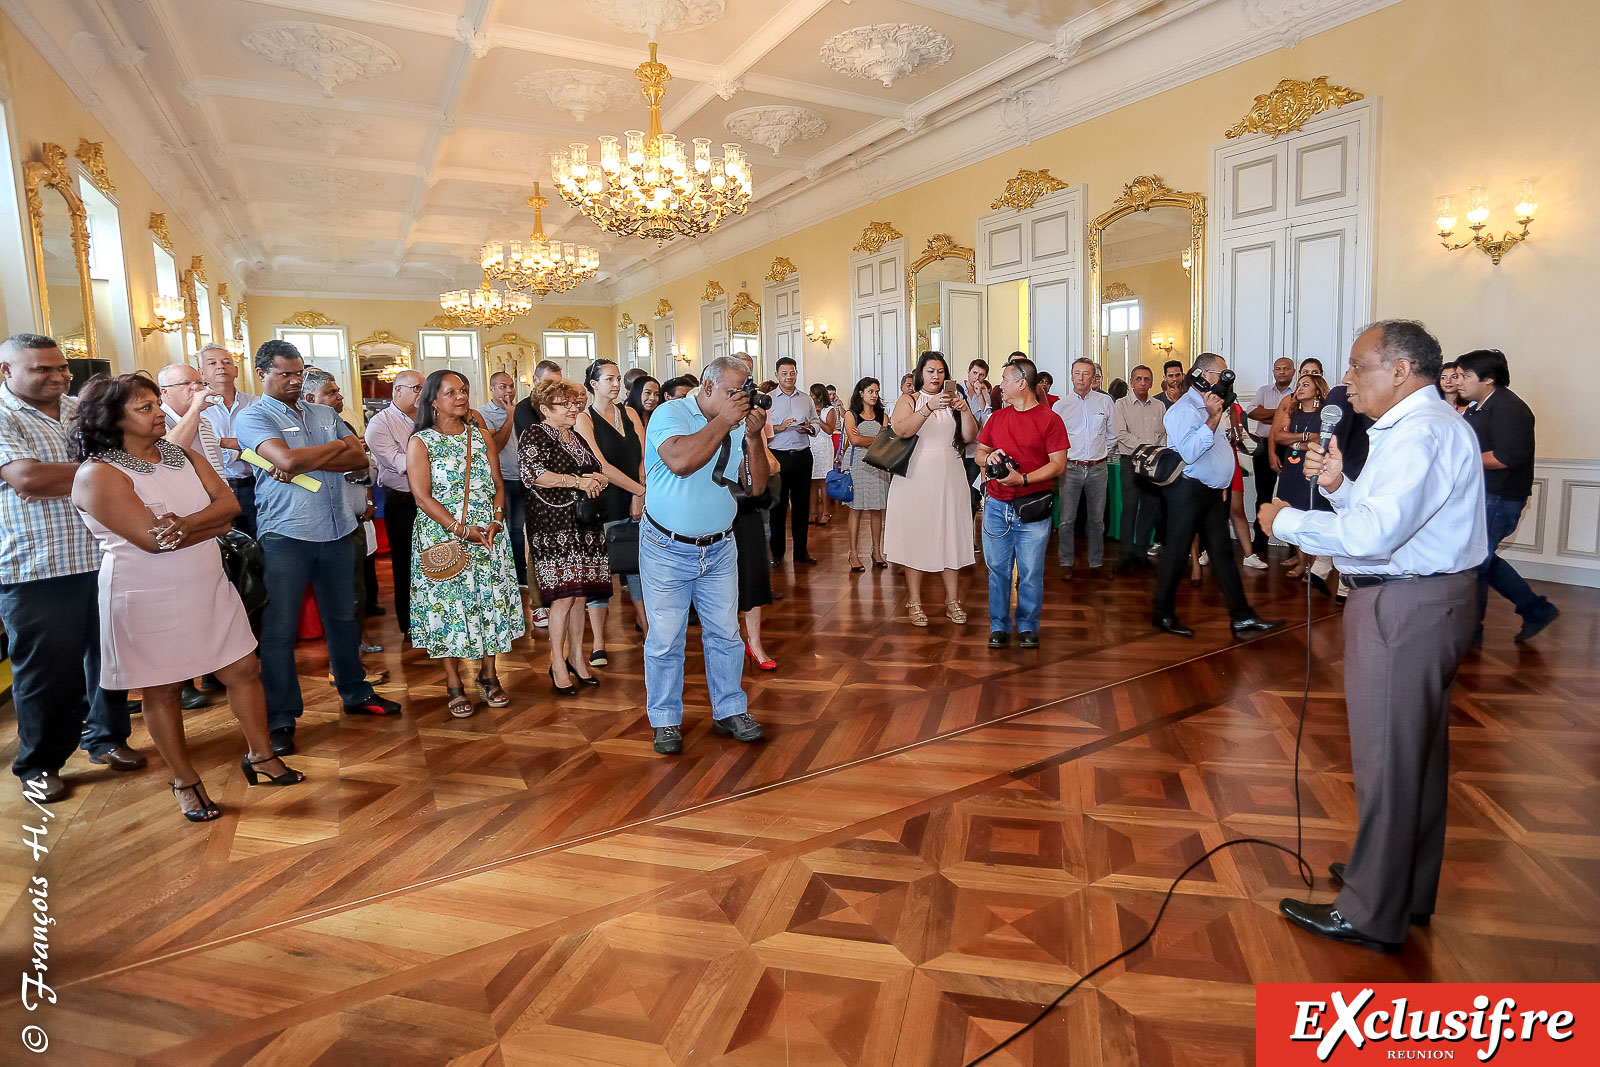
1295, 425
615, 436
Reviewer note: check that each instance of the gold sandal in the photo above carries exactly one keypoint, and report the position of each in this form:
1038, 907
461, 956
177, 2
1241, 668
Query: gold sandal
955, 612
918, 617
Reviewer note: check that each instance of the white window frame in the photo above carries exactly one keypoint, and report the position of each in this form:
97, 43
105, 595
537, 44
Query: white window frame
334, 358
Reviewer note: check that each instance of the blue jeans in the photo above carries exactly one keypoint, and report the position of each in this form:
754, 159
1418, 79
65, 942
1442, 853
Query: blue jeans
674, 575
327, 567
1007, 542
1503, 514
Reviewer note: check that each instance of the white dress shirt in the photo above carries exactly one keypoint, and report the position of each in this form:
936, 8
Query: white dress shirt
205, 437
1091, 433
1269, 396
1417, 507
221, 418
388, 433
795, 405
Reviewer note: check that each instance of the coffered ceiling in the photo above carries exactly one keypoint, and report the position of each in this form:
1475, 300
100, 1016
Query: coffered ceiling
370, 146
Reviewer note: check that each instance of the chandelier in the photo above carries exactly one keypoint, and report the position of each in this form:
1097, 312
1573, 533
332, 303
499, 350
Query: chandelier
538, 265
648, 186
485, 307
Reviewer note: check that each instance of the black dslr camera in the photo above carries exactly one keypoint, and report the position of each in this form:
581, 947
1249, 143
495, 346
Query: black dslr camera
1223, 388
999, 465
758, 399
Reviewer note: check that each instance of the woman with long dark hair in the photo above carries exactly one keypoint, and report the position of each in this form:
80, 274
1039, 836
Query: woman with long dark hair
928, 527
167, 611
822, 453
862, 422
476, 614
614, 435
1294, 425
644, 396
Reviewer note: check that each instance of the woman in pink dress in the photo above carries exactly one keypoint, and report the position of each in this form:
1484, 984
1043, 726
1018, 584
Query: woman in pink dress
928, 524
167, 611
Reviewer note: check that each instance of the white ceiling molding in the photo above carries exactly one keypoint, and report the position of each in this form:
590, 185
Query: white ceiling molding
331, 132
328, 55
776, 126
654, 19
578, 91
885, 51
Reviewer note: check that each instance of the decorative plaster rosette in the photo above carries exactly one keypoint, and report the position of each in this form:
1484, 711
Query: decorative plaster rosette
331, 184
885, 51
656, 18
578, 92
329, 131
328, 55
775, 126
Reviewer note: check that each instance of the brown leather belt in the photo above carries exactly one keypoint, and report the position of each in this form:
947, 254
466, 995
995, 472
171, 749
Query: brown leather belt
1088, 462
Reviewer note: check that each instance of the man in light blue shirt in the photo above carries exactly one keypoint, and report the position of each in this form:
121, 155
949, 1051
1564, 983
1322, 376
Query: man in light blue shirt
305, 537
1197, 501
497, 416
693, 451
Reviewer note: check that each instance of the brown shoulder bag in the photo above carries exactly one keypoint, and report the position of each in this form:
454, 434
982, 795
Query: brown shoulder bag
443, 560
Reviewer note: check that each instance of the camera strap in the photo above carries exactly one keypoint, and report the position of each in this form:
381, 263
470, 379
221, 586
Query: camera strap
738, 486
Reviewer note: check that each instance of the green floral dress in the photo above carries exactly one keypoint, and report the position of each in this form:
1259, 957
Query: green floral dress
479, 610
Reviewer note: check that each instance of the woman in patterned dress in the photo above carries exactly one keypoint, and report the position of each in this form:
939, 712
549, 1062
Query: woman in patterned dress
478, 613
862, 422
566, 558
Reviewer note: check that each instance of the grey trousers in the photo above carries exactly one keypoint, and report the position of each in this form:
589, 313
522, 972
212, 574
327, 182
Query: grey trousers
1089, 482
1402, 642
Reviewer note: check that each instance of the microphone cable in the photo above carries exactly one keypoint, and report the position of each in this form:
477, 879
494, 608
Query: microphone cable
1306, 874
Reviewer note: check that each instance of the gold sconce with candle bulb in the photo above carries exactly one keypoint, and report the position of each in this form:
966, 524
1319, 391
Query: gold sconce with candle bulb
681, 354
168, 313
1164, 344
1477, 201
817, 330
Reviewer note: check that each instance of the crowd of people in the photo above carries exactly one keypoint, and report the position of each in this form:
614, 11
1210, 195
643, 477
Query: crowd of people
134, 515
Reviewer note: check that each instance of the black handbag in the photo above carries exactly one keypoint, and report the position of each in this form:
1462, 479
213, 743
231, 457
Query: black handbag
1160, 466
1036, 507
622, 546
588, 510
246, 567
889, 452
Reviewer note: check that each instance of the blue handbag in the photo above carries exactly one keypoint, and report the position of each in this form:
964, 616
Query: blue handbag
840, 484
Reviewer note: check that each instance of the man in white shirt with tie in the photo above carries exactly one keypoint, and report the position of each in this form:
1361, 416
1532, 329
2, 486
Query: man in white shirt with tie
1091, 437
1408, 536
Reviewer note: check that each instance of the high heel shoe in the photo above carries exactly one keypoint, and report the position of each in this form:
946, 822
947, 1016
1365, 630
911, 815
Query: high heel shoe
564, 690
878, 560
290, 776
207, 810
764, 664
855, 561
578, 679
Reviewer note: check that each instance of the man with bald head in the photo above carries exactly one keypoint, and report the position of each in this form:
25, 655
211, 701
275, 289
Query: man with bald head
184, 399
387, 434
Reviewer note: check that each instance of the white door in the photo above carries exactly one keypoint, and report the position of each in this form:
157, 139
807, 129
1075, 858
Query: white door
1251, 290
1320, 312
665, 336
877, 312
964, 330
713, 331
1053, 332
787, 328
891, 351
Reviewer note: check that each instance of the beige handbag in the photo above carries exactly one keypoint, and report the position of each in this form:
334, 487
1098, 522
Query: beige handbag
443, 560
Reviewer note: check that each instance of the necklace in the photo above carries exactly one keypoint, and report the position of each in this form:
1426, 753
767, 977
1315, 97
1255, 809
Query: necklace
171, 456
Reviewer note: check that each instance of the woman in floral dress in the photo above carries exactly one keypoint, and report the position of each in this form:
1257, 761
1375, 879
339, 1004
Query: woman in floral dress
478, 613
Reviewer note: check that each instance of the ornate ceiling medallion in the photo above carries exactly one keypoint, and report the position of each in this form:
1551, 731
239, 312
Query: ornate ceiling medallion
309, 320
713, 290
775, 126
332, 184
1023, 191
1291, 105
328, 55
578, 92
875, 236
656, 18
781, 269
94, 161
328, 131
885, 51
664, 307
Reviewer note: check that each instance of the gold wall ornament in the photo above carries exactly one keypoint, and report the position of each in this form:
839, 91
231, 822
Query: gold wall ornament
713, 290
1495, 248
664, 306
1117, 291
240, 319
222, 292
513, 339
745, 327
643, 331
158, 226
567, 324
626, 321
743, 301
781, 269
1291, 105
92, 157
1023, 191
442, 322
197, 264
875, 236
309, 320
52, 172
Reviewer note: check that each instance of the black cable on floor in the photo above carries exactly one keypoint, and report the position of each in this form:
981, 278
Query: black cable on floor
1306, 874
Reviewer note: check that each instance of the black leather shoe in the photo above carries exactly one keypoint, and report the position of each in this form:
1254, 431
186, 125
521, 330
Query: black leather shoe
1324, 920
1254, 624
742, 727
999, 639
1336, 872
283, 741
1531, 627
374, 705
120, 758
1029, 639
1319, 584
191, 698
668, 740
1169, 624
806, 559
568, 690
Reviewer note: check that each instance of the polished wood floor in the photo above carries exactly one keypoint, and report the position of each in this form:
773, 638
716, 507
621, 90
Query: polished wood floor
934, 841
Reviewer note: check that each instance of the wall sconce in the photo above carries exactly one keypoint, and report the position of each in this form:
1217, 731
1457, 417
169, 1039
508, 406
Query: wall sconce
1478, 218
681, 354
1165, 344
817, 330
1188, 262
169, 316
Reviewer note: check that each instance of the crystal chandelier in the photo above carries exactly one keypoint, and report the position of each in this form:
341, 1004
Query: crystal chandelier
649, 186
539, 266
485, 307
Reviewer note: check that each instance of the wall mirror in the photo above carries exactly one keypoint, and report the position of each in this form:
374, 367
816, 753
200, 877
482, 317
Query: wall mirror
59, 240
378, 359
943, 272
744, 326
514, 354
1146, 275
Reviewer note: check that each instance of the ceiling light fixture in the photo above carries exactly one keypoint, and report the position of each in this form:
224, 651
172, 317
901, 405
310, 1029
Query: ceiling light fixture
485, 307
539, 266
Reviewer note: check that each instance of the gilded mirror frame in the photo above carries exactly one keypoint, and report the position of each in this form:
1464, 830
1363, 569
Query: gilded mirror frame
54, 172
939, 246
1142, 194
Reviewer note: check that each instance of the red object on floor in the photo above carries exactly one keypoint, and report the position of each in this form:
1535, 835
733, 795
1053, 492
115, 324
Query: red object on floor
310, 621
383, 537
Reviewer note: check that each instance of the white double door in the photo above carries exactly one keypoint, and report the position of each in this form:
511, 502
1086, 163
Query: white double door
878, 316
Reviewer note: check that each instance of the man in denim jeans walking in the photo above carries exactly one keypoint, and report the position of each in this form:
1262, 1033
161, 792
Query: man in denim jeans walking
692, 452
1034, 439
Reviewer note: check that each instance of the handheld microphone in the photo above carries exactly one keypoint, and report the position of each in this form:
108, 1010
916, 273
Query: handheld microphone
1331, 414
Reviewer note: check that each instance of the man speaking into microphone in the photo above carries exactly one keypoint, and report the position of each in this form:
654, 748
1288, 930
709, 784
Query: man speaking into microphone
1408, 535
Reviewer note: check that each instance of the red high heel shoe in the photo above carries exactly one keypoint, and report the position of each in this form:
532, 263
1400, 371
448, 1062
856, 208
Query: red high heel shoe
764, 664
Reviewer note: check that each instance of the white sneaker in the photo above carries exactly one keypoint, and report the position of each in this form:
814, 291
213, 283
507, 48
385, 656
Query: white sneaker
1205, 559
541, 618
1155, 550
1254, 562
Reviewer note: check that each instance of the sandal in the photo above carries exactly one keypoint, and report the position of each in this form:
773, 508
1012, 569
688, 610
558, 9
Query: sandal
492, 692
207, 810
955, 612
459, 705
918, 617
855, 561
878, 560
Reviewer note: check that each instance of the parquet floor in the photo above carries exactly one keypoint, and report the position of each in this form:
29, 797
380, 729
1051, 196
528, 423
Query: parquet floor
934, 841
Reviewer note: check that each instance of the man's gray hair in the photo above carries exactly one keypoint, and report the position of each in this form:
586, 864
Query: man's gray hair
747, 359
313, 379
213, 346
1410, 340
164, 378
712, 372
1207, 361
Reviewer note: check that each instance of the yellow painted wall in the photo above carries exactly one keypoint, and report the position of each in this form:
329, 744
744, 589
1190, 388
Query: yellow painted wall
42, 109
1163, 292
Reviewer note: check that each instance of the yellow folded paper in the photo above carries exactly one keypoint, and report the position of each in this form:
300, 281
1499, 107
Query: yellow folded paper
303, 481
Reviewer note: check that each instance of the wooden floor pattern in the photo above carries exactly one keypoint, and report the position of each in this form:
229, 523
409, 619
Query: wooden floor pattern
934, 841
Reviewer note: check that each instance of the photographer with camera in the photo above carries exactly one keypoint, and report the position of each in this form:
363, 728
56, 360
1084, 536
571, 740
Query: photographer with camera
1197, 501
1022, 449
692, 454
